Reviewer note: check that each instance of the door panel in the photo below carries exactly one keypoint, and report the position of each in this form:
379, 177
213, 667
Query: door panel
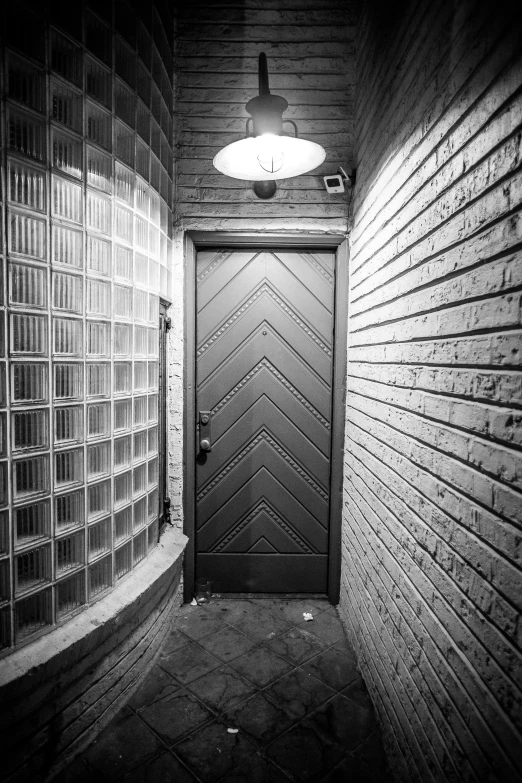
264, 370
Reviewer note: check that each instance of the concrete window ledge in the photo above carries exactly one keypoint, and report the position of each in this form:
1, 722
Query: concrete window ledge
60, 691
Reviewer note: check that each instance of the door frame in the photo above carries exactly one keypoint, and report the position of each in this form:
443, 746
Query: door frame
198, 240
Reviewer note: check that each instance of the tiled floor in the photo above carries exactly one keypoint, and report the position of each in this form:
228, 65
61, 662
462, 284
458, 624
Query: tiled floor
244, 691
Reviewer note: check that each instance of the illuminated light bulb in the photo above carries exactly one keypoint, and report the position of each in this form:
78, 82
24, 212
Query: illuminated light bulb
270, 155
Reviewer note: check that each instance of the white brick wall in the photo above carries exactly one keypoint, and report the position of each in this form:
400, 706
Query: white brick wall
431, 584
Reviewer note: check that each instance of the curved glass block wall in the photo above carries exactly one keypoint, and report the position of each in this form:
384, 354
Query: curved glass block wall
86, 204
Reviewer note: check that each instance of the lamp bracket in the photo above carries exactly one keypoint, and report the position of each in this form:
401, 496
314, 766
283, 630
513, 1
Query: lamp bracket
295, 127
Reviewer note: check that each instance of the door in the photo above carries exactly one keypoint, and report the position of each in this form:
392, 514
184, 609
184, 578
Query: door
264, 329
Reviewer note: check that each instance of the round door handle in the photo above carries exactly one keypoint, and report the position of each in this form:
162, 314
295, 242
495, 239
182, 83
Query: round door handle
204, 444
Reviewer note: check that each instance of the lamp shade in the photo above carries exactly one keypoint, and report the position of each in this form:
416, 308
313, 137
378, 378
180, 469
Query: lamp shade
268, 156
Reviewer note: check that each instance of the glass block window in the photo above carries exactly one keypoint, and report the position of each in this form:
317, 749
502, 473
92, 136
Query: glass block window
84, 261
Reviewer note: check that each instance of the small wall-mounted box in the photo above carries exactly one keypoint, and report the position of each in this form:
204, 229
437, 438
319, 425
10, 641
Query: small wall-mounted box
334, 183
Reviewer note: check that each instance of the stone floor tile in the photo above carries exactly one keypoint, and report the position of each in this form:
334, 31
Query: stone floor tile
296, 645
198, 624
189, 662
326, 626
333, 667
156, 685
358, 693
353, 769
292, 610
256, 770
227, 643
259, 718
212, 752
304, 753
371, 752
343, 722
222, 689
262, 625
174, 641
261, 666
124, 744
230, 610
163, 769
298, 692
176, 715
344, 646
77, 772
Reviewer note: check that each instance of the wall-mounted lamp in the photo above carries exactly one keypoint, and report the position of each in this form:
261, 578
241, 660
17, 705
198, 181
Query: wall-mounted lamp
267, 153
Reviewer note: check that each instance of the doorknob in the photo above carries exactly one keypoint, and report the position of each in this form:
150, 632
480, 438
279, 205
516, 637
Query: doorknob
205, 441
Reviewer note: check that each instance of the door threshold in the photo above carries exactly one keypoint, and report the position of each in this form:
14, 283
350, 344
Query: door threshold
280, 596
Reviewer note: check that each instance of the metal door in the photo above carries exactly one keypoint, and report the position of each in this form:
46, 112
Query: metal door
264, 398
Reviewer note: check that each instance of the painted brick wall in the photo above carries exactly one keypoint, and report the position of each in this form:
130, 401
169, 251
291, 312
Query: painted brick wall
431, 585
309, 45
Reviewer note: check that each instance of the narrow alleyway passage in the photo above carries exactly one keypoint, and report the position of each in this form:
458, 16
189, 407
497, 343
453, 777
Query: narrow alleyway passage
289, 687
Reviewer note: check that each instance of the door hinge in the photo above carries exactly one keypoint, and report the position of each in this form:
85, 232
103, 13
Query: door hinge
168, 324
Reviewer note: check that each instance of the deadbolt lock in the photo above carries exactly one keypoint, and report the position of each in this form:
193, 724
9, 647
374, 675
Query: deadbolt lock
205, 440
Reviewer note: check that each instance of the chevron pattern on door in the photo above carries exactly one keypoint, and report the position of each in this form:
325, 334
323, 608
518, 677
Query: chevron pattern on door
264, 371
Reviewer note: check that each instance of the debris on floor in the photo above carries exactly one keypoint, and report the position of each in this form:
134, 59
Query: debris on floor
308, 616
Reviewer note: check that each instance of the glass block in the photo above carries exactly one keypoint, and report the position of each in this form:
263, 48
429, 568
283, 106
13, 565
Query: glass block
140, 446
153, 472
98, 255
140, 481
27, 135
69, 594
122, 301
140, 411
5, 580
153, 340
139, 547
69, 510
67, 154
100, 538
3, 483
142, 197
99, 499
32, 568
153, 309
143, 121
29, 383
29, 334
98, 379
124, 184
32, 522
3, 433
98, 339
66, 58
122, 339
98, 125
123, 524
98, 298
143, 76
153, 408
141, 305
122, 378
123, 224
98, 38
155, 138
5, 627
122, 452
141, 232
155, 208
66, 106
67, 293
155, 172
153, 534
154, 276
140, 376
163, 249
140, 341
98, 420
67, 246
98, 81
68, 467
141, 270
141, 514
3, 378
30, 430
68, 381
100, 576
67, 200
98, 212
67, 337
32, 614
99, 169
122, 262
68, 424
142, 159
165, 217
124, 103
123, 560
154, 242
27, 286
122, 489
26, 82
4, 533
153, 440
124, 143
27, 185
98, 460
69, 552
125, 62
122, 415
153, 502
